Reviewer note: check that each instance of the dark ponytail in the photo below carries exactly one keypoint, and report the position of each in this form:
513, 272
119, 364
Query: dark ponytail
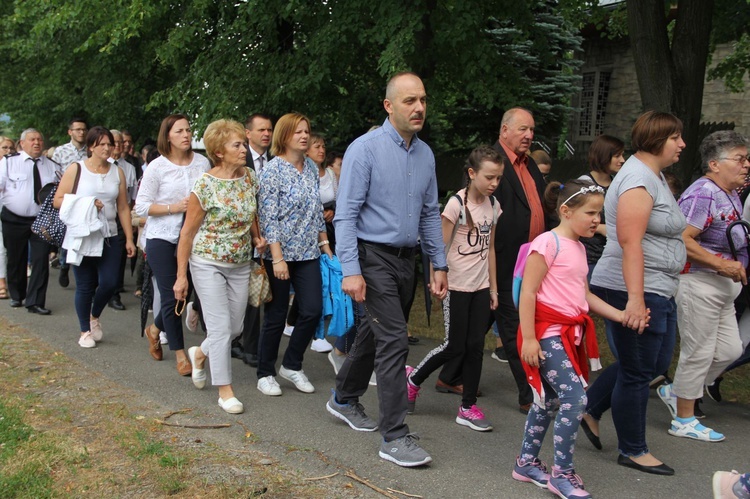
474, 162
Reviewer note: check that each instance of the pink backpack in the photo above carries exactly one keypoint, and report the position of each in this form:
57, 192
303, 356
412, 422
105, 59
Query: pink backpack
523, 254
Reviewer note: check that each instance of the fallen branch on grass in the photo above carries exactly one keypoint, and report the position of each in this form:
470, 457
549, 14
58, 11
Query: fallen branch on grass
353, 476
181, 411
403, 493
195, 426
321, 477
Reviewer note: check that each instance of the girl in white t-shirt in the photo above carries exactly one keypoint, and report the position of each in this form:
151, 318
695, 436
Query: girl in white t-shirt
469, 222
557, 335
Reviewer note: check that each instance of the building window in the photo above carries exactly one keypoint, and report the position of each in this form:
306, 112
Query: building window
593, 103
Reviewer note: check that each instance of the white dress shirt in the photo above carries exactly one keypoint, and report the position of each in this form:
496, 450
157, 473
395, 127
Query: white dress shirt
17, 181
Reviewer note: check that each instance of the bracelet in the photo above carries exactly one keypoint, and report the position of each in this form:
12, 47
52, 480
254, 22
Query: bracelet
323, 243
493, 292
169, 210
274, 262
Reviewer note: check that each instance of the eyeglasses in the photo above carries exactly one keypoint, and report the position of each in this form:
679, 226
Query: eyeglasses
740, 160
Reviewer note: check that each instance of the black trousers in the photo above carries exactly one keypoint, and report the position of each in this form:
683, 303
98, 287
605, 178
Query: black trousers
507, 319
381, 342
18, 238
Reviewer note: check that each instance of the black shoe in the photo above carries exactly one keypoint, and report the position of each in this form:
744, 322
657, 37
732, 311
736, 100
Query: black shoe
36, 309
661, 469
116, 303
500, 355
250, 359
713, 390
590, 435
64, 278
697, 411
238, 353
413, 340
15, 303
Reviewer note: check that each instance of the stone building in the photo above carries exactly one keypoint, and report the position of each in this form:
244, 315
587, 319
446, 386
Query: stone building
610, 100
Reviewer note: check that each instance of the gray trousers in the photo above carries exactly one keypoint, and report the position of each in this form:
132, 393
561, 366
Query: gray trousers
223, 294
381, 340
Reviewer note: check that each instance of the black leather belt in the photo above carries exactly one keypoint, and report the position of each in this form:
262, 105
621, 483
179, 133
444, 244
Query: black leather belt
392, 250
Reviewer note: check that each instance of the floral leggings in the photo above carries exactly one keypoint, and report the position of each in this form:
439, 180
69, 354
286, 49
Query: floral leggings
563, 391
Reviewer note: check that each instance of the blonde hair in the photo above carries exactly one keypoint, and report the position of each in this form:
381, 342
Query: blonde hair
284, 131
217, 134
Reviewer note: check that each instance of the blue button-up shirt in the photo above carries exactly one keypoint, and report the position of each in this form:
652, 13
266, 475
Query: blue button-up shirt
387, 194
290, 210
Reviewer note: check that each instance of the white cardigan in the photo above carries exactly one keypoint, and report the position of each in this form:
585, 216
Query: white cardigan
86, 228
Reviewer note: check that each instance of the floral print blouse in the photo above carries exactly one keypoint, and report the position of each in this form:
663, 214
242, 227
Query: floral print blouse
290, 209
230, 207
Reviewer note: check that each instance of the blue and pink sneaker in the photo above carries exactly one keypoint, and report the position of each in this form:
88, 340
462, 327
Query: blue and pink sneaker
567, 485
533, 472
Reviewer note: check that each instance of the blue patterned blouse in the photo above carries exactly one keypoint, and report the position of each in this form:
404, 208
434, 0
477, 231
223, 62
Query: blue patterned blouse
290, 210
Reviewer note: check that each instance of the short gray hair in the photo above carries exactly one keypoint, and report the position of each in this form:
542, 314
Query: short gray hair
28, 131
719, 143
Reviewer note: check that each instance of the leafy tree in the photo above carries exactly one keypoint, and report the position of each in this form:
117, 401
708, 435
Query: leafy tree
128, 63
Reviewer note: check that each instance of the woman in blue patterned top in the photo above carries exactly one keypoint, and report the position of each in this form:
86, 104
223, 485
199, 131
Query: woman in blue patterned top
291, 220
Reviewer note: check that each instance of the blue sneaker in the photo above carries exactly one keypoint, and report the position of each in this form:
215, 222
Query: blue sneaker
534, 472
693, 429
567, 485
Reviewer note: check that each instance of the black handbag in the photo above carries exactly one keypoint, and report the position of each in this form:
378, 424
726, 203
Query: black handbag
48, 225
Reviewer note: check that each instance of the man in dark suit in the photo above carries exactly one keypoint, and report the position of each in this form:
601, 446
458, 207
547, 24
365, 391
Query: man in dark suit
258, 131
520, 194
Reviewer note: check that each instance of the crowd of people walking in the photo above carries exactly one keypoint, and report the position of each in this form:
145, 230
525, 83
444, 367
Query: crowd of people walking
226, 239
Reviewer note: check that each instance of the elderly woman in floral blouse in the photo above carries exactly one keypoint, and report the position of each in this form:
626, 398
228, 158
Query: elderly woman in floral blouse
291, 218
222, 214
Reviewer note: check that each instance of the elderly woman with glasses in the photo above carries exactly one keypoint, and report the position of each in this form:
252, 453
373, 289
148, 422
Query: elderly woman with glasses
712, 279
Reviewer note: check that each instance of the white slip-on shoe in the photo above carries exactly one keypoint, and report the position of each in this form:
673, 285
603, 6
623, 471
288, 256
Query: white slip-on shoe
232, 405
198, 375
321, 345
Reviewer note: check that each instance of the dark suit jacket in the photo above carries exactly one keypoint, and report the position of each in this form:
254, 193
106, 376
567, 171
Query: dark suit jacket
513, 225
249, 158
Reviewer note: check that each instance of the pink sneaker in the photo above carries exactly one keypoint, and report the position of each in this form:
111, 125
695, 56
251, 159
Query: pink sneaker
412, 391
726, 485
473, 418
566, 484
96, 329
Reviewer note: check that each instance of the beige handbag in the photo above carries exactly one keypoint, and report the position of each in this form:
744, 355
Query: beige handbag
259, 289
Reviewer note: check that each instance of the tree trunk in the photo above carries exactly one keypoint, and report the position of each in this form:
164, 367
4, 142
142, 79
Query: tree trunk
672, 78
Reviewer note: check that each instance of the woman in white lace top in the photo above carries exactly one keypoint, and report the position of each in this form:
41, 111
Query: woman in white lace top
163, 197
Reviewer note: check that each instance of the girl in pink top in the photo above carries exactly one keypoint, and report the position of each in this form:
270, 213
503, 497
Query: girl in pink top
553, 307
472, 287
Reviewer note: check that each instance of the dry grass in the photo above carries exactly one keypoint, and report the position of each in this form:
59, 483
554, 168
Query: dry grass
65, 432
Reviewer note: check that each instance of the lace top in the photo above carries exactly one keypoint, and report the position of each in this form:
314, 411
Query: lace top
164, 182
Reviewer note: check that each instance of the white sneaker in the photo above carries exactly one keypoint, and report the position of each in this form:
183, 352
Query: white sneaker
87, 340
191, 318
96, 329
321, 345
288, 330
373, 380
298, 378
336, 361
669, 398
163, 338
269, 386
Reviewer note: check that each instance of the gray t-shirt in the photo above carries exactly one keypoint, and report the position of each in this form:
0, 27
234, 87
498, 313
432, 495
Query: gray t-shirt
664, 252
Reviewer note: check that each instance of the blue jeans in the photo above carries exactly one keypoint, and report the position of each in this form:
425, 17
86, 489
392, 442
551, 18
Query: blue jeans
563, 390
623, 386
96, 281
163, 261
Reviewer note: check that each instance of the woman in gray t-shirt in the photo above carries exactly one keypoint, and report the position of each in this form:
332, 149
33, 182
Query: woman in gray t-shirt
638, 273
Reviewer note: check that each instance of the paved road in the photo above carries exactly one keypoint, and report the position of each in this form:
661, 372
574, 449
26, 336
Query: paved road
296, 429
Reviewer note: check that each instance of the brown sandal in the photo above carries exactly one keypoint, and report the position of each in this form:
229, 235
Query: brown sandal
154, 345
4, 294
